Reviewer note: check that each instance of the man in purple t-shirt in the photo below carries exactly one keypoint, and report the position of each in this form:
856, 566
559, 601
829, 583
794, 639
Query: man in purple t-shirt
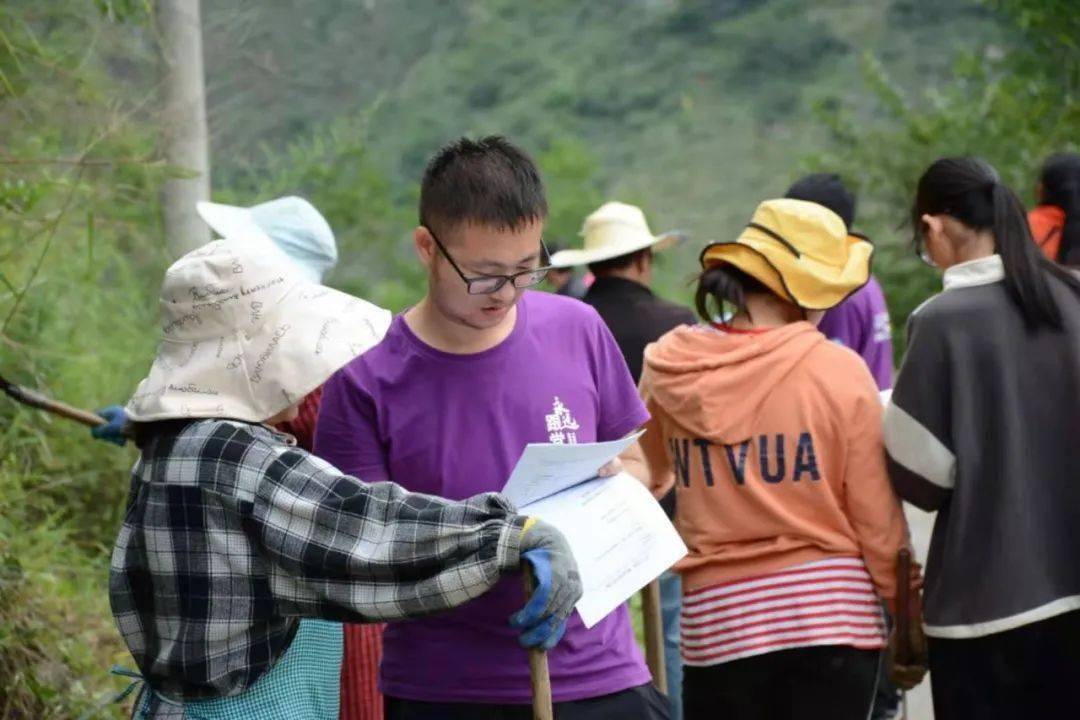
446, 404
862, 321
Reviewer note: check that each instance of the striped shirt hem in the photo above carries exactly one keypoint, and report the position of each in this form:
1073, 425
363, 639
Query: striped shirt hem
827, 602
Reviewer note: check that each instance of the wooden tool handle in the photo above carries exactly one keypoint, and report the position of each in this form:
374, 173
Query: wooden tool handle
37, 400
654, 634
903, 607
538, 664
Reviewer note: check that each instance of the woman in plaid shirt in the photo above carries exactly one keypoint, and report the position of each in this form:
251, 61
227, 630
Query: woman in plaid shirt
304, 235
232, 534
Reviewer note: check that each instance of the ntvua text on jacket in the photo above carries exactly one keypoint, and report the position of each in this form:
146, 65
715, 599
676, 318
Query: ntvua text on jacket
775, 440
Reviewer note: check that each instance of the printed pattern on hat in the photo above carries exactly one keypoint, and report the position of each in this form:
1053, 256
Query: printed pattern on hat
827, 602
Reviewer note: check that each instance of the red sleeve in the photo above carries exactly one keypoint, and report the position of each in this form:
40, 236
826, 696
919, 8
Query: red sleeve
303, 427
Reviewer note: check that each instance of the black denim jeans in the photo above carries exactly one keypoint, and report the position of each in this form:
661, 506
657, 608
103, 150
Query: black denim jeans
1030, 672
830, 682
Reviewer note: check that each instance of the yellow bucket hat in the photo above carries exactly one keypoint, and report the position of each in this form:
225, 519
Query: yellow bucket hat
800, 250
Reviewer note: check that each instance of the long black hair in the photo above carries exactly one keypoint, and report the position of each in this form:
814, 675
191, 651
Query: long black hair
969, 190
1060, 179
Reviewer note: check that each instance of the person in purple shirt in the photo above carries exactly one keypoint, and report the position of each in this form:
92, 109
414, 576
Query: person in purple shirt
862, 321
446, 404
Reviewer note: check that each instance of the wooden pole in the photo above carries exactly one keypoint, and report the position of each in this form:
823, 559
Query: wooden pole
903, 607
654, 634
538, 665
35, 399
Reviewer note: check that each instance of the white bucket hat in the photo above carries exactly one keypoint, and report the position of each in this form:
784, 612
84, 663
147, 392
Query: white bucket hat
291, 222
244, 336
614, 230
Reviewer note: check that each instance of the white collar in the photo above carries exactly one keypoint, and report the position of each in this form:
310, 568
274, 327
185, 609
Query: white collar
983, 271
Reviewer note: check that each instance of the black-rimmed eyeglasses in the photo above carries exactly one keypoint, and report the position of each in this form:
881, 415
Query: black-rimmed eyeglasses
490, 284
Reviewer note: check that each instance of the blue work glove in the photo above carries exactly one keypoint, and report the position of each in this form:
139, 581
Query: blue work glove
558, 586
112, 431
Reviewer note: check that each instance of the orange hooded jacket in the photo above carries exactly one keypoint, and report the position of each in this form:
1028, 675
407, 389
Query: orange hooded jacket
1047, 222
775, 441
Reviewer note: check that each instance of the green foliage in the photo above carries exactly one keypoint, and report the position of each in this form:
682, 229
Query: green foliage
279, 70
572, 179
1013, 102
372, 220
78, 268
697, 109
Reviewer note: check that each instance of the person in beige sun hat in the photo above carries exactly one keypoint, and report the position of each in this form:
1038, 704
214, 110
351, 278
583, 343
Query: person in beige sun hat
237, 546
246, 336
618, 249
614, 230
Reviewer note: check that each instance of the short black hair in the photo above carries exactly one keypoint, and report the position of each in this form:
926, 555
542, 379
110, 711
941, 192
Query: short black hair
489, 182
726, 284
825, 189
616, 263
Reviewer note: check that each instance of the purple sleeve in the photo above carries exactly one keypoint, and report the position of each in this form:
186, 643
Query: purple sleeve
347, 434
862, 323
620, 408
879, 350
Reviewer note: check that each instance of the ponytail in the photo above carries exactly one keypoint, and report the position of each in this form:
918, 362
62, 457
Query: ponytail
1025, 266
968, 190
724, 284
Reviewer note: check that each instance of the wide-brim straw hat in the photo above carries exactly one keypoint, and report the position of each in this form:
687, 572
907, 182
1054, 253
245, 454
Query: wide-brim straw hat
291, 222
245, 335
614, 230
801, 251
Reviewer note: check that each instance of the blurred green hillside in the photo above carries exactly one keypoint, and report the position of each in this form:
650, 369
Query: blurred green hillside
696, 110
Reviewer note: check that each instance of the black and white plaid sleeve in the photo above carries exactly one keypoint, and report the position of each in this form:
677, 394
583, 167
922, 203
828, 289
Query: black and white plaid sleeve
340, 548
230, 535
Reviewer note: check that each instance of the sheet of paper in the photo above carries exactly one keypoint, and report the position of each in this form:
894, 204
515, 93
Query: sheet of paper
620, 537
544, 469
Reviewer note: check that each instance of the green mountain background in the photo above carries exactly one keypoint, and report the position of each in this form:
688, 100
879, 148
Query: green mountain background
696, 110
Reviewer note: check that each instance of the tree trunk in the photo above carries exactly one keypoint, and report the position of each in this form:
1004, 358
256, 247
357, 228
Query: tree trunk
184, 124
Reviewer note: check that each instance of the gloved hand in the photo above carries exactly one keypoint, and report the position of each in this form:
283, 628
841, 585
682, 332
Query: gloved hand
558, 586
112, 431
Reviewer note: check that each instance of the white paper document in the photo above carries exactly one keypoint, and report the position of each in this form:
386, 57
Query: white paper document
544, 469
620, 537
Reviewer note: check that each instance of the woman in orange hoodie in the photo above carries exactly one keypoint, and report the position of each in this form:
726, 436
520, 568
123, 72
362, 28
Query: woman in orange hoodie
1055, 222
774, 436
